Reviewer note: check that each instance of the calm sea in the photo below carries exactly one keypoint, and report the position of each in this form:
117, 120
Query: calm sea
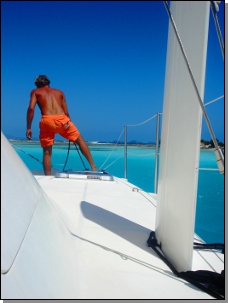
140, 171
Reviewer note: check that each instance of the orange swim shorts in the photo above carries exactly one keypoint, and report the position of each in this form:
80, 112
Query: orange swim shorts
57, 124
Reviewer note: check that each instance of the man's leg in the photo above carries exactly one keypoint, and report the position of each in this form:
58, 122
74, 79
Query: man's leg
86, 152
47, 152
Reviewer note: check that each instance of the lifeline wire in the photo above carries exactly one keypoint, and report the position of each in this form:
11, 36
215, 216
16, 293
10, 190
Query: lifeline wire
31, 156
27, 154
142, 122
119, 139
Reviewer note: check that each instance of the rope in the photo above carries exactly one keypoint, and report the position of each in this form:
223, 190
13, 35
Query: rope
67, 156
209, 246
208, 169
209, 282
78, 154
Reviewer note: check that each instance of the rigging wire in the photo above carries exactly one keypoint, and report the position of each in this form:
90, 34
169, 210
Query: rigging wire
218, 152
214, 8
112, 150
212, 101
113, 162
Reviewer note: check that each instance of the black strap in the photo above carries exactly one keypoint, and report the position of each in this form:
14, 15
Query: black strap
67, 156
210, 282
78, 154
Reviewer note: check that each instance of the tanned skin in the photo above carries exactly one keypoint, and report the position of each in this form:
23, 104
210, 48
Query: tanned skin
52, 102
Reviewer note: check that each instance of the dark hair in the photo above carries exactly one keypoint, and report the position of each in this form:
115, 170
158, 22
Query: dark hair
41, 81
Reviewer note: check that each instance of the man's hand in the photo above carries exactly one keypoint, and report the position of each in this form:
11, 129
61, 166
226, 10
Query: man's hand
29, 134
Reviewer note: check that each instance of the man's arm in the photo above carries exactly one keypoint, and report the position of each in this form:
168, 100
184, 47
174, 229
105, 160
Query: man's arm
30, 114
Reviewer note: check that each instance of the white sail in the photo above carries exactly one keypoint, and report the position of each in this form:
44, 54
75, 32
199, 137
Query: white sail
181, 131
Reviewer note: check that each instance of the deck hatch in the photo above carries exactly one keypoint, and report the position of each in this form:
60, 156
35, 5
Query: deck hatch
85, 175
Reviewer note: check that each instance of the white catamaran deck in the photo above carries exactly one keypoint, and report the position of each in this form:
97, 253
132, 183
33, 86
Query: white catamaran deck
102, 245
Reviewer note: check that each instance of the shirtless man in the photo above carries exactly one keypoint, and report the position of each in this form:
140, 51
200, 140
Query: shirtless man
55, 119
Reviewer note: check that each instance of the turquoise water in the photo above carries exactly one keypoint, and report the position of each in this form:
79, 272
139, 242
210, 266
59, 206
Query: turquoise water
140, 171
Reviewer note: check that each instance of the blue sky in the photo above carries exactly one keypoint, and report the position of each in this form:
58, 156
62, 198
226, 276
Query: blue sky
107, 56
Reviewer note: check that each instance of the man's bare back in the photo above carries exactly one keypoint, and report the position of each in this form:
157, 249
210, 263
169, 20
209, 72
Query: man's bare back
50, 101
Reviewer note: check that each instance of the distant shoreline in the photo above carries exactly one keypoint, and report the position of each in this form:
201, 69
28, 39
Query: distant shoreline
99, 144
88, 142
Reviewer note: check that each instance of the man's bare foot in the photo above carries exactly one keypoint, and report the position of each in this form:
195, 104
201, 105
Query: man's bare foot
94, 168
